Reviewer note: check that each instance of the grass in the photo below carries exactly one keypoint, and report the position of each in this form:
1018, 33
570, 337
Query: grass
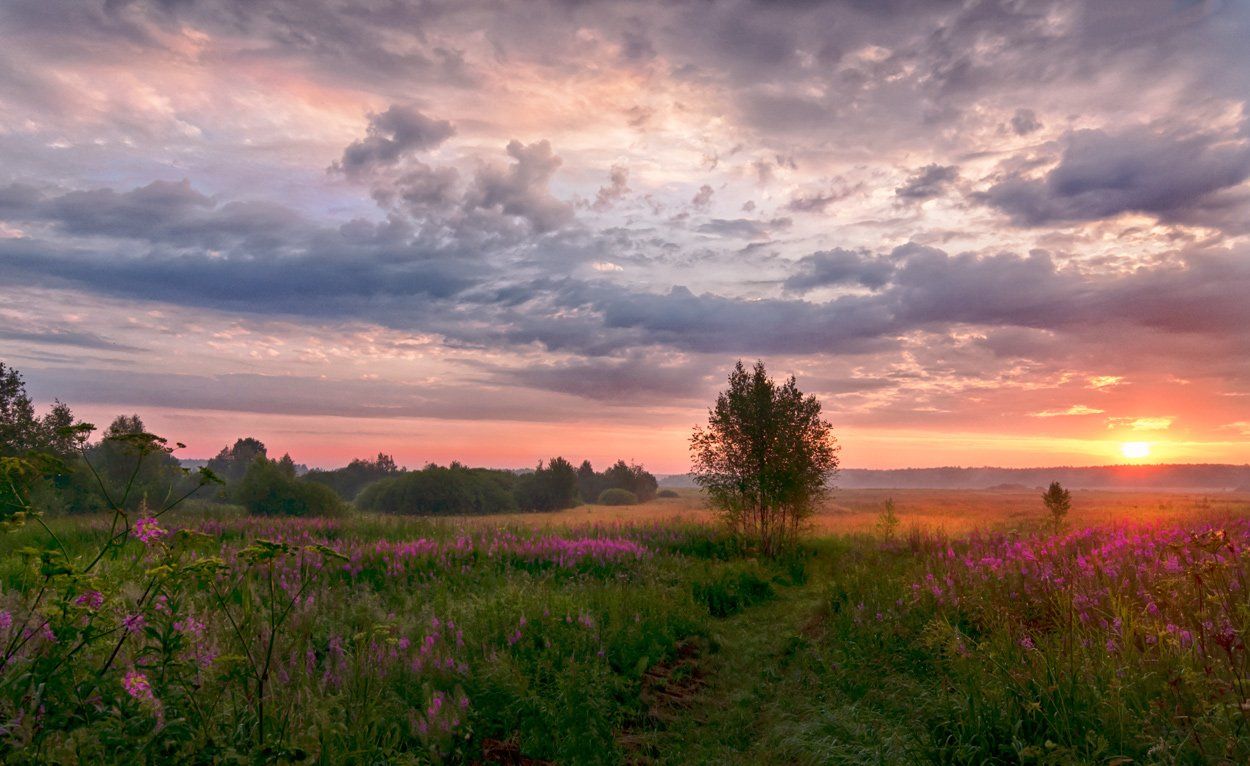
581, 638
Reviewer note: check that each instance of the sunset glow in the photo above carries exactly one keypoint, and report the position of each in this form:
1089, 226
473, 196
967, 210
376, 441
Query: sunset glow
1006, 235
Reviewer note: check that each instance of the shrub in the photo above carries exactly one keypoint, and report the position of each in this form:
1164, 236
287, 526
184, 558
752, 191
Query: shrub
438, 491
269, 490
667, 493
617, 496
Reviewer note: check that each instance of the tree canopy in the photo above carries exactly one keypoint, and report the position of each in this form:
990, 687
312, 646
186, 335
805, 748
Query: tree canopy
765, 457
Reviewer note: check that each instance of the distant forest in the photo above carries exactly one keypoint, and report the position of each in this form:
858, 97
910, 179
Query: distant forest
50, 462
1196, 476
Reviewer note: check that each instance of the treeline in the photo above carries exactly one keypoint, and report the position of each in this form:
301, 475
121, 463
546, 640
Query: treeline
52, 463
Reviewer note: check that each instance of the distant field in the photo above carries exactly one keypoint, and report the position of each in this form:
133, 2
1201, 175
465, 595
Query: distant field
951, 510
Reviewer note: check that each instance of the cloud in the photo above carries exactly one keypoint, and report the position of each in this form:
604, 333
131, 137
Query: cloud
1105, 381
638, 377
1024, 122
1141, 424
1074, 410
1102, 174
618, 187
391, 135
703, 197
520, 189
742, 228
819, 201
830, 268
928, 182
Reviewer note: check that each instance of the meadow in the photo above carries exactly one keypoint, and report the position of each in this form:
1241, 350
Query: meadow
966, 633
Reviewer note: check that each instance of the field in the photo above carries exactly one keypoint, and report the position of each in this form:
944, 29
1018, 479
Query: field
935, 510
640, 634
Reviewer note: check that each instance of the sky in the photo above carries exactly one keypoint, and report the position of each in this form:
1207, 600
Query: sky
981, 233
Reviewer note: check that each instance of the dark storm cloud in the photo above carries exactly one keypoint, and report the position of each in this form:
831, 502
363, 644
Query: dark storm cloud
1103, 174
928, 182
398, 131
830, 268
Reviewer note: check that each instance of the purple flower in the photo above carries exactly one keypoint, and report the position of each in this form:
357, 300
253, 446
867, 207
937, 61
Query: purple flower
147, 531
136, 685
133, 623
92, 600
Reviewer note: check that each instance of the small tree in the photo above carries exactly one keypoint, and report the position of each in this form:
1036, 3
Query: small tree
765, 458
887, 521
1058, 502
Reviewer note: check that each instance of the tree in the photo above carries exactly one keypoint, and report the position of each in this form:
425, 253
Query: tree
765, 457
552, 488
438, 491
349, 480
232, 462
133, 464
1058, 502
268, 488
632, 478
21, 432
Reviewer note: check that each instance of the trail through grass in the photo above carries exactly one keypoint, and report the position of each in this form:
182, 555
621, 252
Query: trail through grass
765, 693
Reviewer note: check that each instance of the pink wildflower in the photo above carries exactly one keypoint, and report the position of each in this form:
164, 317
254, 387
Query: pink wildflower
133, 623
147, 531
136, 685
92, 600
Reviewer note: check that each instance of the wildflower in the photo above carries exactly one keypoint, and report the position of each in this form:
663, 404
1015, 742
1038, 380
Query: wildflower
147, 531
6, 619
133, 623
137, 686
1027, 643
92, 600
190, 627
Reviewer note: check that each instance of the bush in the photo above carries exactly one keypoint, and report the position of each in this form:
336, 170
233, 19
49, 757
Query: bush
617, 496
438, 491
269, 490
667, 493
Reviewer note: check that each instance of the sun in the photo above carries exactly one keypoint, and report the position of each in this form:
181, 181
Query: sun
1135, 450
